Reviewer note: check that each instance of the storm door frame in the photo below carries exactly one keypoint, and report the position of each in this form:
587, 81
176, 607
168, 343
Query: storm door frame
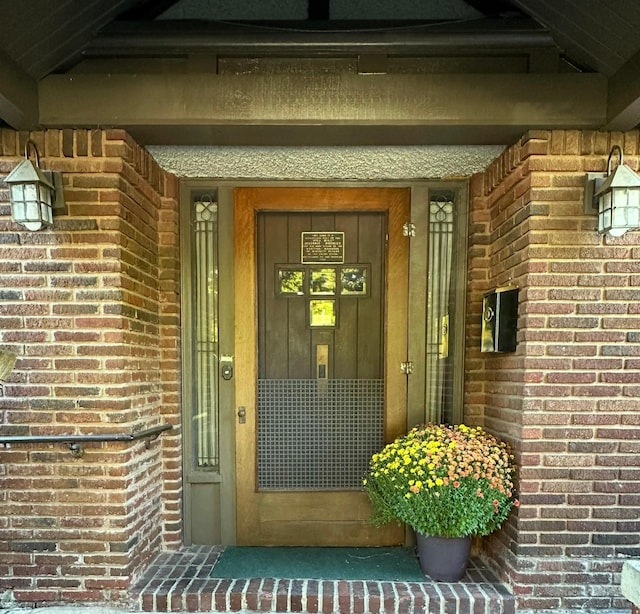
209, 508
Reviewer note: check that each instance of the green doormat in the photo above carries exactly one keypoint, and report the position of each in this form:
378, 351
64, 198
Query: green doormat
319, 563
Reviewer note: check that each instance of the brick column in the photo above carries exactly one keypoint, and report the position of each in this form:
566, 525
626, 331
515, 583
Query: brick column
567, 398
91, 308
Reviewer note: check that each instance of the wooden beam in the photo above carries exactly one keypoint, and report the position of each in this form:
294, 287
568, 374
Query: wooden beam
18, 96
623, 112
203, 101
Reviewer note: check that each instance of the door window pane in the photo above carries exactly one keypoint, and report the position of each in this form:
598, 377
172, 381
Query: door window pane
291, 282
323, 281
353, 281
322, 313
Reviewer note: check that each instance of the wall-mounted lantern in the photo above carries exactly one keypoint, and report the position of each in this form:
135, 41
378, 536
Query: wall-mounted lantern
34, 193
615, 196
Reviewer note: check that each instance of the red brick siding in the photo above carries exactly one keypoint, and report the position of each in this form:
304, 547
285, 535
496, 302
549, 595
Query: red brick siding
90, 307
568, 397
170, 365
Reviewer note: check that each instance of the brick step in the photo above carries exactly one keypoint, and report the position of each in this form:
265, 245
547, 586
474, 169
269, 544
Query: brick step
181, 582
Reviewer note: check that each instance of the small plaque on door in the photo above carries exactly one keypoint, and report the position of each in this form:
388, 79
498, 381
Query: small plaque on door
322, 247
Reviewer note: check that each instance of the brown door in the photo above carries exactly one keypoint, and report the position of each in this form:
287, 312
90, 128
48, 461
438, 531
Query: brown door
321, 304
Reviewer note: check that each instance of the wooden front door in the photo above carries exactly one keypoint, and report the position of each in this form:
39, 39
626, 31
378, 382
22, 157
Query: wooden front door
320, 319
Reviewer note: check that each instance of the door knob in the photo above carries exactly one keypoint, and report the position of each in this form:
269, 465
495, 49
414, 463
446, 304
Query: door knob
242, 415
226, 367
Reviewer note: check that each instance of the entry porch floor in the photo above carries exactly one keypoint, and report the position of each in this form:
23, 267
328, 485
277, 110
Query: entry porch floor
181, 582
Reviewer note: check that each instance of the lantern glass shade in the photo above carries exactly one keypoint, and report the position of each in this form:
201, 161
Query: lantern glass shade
619, 211
32, 196
618, 201
31, 205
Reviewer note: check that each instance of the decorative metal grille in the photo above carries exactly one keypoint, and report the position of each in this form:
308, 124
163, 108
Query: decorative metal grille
440, 259
320, 437
205, 309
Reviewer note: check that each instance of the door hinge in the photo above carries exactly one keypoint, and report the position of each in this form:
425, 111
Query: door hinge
409, 229
406, 367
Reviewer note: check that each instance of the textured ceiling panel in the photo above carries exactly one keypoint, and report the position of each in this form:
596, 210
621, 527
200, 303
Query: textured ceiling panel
402, 9
597, 35
41, 35
338, 10
253, 10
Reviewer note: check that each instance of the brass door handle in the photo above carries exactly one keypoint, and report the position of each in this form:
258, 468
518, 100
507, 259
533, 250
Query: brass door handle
322, 362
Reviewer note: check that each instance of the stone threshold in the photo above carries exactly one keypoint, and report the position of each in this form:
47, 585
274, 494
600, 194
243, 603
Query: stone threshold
180, 582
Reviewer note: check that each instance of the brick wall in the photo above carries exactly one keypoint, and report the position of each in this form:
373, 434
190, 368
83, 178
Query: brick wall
567, 399
91, 308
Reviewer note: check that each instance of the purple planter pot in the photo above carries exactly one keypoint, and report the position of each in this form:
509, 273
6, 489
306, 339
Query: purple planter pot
443, 558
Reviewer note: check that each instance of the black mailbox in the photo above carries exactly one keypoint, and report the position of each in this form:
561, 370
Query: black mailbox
499, 320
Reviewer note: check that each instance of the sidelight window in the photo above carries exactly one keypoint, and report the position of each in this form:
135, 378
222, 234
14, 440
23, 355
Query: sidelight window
442, 349
205, 357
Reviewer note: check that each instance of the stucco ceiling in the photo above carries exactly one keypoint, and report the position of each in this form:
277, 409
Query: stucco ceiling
40, 38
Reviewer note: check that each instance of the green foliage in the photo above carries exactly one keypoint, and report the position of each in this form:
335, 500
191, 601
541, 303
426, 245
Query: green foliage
450, 481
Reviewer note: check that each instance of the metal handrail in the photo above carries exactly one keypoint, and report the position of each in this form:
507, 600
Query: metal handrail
75, 441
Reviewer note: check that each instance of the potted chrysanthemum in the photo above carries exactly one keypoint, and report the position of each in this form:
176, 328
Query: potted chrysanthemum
449, 483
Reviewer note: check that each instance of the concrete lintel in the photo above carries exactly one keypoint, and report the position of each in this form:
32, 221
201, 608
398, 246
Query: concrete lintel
442, 101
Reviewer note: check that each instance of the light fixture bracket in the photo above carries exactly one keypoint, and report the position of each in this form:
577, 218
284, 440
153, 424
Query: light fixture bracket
592, 184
